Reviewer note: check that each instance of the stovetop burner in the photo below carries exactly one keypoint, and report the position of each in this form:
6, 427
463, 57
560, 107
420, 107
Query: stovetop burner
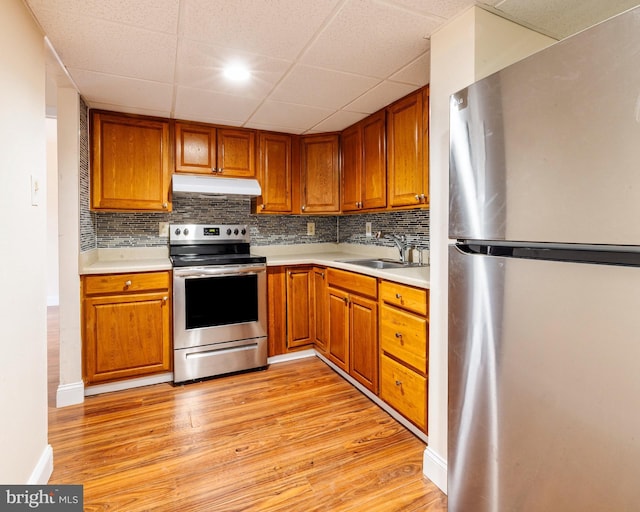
193, 245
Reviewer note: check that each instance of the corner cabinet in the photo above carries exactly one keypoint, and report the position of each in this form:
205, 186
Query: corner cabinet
408, 150
208, 149
320, 174
126, 325
130, 163
353, 325
364, 165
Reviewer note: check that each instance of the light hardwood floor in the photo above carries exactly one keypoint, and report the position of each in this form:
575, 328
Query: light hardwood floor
296, 437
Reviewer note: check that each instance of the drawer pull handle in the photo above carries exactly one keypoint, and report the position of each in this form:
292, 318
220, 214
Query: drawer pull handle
165, 299
127, 283
398, 383
398, 296
399, 336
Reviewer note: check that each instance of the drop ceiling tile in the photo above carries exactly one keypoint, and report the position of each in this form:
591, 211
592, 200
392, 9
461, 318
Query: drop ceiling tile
139, 13
380, 96
200, 66
416, 72
289, 116
273, 128
444, 9
563, 18
338, 121
278, 28
117, 90
112, 48
306, 85
370, 38
210, 106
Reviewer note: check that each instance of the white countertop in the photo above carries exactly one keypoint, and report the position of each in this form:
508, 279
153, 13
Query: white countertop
148, 259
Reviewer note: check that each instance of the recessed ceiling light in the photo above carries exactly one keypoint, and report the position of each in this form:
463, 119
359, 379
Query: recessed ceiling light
236, 73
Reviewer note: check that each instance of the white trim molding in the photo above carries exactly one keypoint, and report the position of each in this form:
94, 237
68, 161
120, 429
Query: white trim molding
291, 356
128, 384
434, 468
42, 472
70, 394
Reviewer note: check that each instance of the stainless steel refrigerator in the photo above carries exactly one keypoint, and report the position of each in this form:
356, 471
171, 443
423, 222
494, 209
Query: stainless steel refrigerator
544, 280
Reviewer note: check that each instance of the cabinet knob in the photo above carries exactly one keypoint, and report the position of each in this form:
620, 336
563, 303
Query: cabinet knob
165, 299
398, 335
346, 300
165, 205
417, 197
303, 207
398, 383
127, 283
398, 296
423, 197
263, 206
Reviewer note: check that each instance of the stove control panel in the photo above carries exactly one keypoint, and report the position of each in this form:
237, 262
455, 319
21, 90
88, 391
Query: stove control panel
208, 233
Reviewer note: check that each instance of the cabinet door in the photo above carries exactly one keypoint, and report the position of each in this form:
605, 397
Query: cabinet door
320, 294
276, 311
374, 162
320, 174
338, 319
300, 317
351, 151
274, 173
363, 347
237, 152
129, 163
404, 151
195, 148
127, 336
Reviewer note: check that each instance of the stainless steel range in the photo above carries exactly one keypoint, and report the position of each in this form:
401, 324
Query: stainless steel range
219, 301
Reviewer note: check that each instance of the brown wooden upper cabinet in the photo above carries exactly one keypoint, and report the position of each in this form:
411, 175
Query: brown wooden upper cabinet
130, 162
208, 149
274, 173
408, 150
320, 173
364, 165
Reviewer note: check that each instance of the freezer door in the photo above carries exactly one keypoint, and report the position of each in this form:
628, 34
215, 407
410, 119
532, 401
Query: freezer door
544, 385
547, 150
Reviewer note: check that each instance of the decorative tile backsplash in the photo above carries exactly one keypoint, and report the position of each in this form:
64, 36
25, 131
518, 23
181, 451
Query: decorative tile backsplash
115, 230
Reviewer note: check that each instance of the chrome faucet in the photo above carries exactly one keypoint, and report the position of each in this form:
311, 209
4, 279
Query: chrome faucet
401, 243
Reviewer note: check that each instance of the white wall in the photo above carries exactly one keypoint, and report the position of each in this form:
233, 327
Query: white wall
52, 212
470, 47
26, 456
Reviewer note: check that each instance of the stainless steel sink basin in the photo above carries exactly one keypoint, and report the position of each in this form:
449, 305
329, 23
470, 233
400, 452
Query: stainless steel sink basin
381, 263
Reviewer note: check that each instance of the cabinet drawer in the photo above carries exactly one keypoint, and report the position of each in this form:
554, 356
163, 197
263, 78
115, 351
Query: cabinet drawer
406, 297
404, 335
119, 283
362, 285
404, 390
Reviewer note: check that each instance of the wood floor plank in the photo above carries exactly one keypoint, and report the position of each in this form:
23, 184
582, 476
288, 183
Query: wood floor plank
296, 437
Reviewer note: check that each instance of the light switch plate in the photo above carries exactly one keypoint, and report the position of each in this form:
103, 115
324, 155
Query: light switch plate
163, 229
367, 229
311, 228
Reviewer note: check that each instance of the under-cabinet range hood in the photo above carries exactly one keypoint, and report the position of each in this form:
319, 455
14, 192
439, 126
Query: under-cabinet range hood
213, 185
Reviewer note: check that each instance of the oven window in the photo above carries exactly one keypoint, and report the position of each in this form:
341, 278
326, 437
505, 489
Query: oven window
224, 300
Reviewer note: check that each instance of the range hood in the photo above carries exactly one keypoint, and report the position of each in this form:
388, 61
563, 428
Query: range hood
213, 185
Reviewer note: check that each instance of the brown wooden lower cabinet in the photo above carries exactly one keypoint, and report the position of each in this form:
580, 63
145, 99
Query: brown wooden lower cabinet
126, 325
353, 325
300, 307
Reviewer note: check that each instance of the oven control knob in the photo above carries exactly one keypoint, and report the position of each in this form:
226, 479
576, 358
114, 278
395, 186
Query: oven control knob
235, 231
244, 231
229, 231
177, 231
186, 231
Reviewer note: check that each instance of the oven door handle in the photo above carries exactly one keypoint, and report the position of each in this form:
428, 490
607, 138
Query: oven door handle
201, 272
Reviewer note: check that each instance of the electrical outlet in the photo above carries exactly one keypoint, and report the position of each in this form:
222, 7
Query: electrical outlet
311, 228
163, 229
367, 229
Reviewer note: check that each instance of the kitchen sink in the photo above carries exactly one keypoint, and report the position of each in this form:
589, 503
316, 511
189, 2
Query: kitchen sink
382, 263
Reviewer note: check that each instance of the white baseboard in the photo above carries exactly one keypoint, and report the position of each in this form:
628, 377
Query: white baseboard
434, 468
70, 394
42, 472
292, 356
128, 384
